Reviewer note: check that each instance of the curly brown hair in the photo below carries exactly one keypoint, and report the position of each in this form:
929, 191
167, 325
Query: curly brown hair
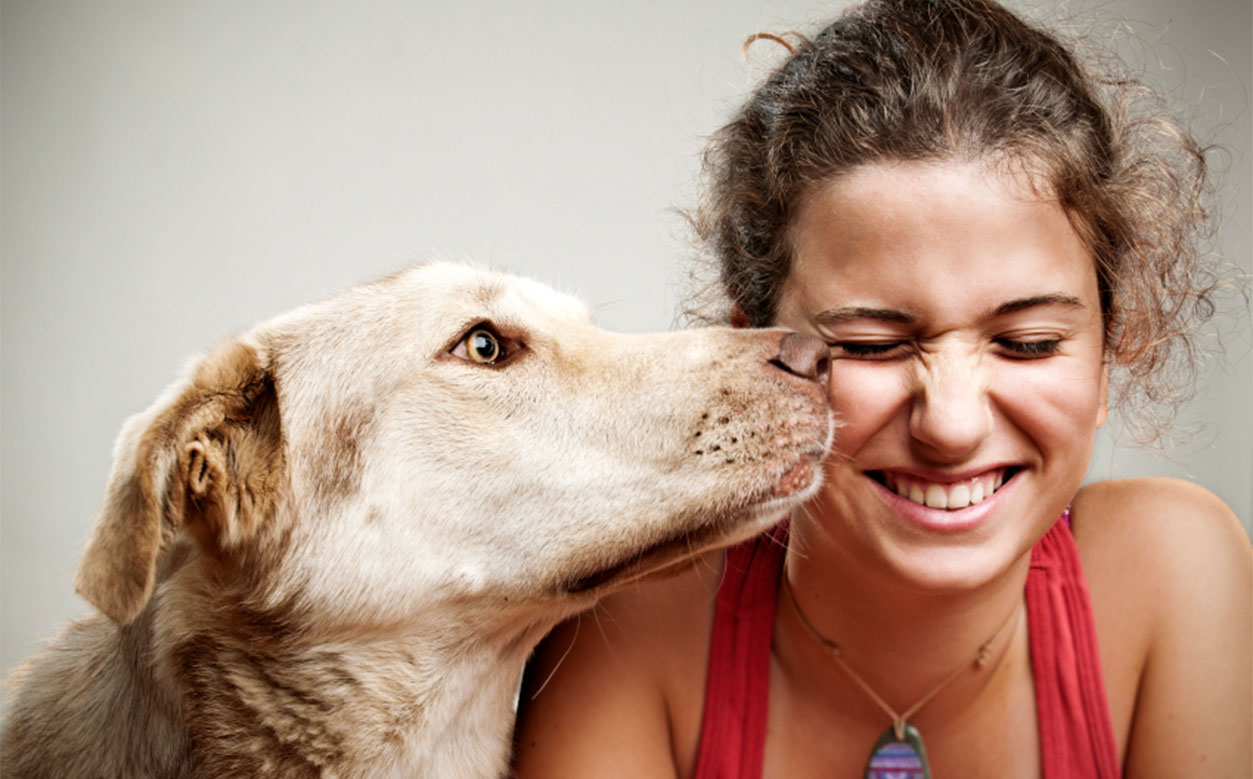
917, 80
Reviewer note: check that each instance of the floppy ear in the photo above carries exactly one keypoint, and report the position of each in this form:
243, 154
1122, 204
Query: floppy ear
206, 457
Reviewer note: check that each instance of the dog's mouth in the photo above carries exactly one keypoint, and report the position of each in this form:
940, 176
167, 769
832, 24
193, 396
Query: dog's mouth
652, 558
728, 527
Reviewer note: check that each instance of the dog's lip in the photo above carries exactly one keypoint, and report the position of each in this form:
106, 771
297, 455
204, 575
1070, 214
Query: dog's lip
688, 539
772, 505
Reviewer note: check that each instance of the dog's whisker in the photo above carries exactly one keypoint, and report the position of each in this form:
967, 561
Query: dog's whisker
557, 665
597, 613
706, 563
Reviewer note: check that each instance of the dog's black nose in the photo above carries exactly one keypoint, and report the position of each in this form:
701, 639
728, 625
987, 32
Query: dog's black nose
804, 356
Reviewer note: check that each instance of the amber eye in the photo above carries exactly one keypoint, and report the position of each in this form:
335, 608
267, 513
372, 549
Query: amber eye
483, 346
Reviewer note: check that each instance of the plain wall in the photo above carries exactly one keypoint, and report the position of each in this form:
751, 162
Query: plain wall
174, 171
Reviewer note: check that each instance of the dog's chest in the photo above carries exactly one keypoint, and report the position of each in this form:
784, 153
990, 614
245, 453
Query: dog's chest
419, 714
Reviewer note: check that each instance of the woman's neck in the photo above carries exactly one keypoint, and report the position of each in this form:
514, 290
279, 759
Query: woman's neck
901, 640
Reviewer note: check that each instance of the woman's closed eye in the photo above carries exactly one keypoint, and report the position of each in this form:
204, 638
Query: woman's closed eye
1027, 348
1016, 348
868, 349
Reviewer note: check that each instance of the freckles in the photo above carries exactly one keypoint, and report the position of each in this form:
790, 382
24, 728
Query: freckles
861, 387
864, 401
1049, 400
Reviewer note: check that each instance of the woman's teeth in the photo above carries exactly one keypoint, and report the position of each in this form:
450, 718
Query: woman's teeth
956, 495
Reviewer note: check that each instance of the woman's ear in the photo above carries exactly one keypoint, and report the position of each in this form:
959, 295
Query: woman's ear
739, 320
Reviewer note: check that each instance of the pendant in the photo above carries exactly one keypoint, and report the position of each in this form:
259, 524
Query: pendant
898, 758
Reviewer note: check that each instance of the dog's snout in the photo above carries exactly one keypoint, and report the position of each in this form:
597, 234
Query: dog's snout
804, 356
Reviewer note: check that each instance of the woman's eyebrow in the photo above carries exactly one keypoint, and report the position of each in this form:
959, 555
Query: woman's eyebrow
895, 316
1021, 304
845, 313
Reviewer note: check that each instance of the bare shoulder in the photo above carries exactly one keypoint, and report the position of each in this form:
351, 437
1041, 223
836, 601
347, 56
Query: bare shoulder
1159, 538
1170, 572
618, 690
1158, 553
1126, 518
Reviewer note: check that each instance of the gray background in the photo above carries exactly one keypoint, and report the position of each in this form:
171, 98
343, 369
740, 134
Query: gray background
173, 171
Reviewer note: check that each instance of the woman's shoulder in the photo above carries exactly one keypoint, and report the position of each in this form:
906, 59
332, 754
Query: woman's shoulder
618, 690
1170, 574
1152, 547
1125, 523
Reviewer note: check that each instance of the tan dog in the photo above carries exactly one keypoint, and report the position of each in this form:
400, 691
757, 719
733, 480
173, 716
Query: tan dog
331, 548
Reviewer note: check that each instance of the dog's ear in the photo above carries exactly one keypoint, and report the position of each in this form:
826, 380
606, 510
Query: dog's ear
207, 458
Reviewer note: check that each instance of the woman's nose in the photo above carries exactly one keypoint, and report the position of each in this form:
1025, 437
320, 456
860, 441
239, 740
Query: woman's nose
951, 413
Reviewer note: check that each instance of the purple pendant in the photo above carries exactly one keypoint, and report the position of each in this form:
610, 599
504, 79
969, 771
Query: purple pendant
903, 758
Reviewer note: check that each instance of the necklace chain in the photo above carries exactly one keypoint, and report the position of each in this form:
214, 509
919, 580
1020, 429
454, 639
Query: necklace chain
898, 720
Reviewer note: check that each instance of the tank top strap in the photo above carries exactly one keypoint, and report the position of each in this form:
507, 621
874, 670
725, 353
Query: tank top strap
1076, 733
737, 688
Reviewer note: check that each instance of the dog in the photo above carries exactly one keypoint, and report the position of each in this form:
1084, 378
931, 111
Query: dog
329, 549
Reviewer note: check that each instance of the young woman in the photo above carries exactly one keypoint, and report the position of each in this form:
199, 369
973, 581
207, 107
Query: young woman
983, 237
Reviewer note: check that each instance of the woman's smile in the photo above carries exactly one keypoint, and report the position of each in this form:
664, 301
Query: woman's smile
950, 495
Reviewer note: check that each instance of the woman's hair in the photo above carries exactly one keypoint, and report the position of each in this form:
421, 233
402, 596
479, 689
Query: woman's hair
919, 80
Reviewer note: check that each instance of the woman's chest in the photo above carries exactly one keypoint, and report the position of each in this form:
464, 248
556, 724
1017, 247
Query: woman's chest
993, 733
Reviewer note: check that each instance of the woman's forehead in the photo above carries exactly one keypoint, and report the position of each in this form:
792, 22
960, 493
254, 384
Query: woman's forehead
925, 231
923, 194
902, 211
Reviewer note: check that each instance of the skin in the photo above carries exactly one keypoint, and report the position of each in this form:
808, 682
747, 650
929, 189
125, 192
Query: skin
966, 337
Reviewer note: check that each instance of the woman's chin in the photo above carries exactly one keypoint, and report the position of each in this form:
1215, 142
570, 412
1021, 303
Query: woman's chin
954, 569
955, 551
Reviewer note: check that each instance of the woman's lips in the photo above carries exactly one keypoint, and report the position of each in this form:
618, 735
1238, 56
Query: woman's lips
948, 495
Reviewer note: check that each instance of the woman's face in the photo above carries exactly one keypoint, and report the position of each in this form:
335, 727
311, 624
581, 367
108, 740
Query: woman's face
967, 364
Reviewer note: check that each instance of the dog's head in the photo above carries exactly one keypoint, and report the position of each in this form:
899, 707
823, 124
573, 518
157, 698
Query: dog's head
449, 433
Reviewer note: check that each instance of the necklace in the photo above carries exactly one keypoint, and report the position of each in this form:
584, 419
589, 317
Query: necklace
899, 752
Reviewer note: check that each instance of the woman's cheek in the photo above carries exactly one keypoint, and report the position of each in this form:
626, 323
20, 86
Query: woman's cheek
864, 396
1048, 398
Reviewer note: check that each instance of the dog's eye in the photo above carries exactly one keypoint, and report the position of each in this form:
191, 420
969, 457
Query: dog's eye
481, 345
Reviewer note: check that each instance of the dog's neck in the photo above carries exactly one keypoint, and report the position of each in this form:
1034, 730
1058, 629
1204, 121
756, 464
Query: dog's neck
263, 696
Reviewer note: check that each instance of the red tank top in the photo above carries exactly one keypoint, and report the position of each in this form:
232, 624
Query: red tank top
1076, 735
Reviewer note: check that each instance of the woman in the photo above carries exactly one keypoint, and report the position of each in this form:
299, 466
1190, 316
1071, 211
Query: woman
943, 194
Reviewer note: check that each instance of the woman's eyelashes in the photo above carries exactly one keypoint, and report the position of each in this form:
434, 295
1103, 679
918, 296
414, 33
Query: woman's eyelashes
1017, 348
1027, 348
867, 349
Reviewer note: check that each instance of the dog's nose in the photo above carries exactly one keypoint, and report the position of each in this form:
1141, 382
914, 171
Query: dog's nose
804, 356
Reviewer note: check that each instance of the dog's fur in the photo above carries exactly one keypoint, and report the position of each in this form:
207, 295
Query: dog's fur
330, 549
